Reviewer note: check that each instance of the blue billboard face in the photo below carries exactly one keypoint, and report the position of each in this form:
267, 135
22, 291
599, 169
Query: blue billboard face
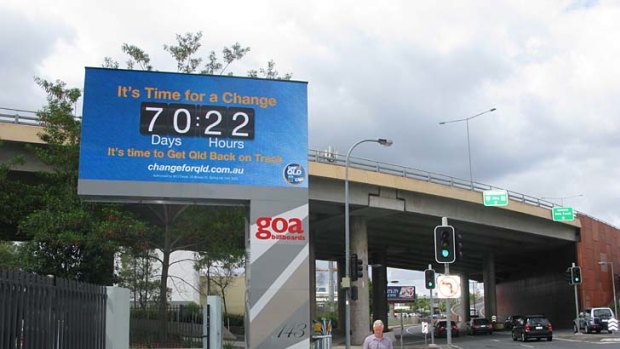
184, 128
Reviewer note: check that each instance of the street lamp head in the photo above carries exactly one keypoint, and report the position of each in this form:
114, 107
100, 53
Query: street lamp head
385, 142
493, 109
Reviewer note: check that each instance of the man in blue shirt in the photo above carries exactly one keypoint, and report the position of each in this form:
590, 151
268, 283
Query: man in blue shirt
377, 340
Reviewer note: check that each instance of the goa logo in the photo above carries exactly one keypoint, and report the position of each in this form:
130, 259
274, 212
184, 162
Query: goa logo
294, 174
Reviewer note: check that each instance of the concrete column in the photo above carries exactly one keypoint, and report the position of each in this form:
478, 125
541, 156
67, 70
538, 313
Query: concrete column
490, 298
360, 317
312, 276
464, 307
117, 318
379, 288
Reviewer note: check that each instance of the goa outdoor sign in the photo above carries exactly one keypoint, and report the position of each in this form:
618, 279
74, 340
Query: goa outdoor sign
186, 128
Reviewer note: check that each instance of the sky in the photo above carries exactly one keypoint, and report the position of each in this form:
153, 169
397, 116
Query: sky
383, 69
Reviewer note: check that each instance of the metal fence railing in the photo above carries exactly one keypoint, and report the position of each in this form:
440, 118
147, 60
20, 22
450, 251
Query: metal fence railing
407, 172
39, 312
183, 327
19, 116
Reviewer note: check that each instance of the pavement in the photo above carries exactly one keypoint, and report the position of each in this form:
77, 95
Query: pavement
567, 335
338, 341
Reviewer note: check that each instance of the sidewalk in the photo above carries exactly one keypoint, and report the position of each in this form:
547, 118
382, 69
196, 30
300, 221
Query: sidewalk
339, 343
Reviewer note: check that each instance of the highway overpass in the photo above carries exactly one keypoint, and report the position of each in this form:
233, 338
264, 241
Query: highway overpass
517, 250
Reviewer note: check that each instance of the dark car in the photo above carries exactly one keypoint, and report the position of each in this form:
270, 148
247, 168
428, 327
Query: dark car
479, 325
510, 321
532, 326
594, 320
441, 331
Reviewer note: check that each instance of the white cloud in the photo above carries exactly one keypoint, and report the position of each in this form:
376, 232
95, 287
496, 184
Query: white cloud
384, 69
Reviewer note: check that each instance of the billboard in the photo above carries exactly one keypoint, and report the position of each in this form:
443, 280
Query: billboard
401, 294
141, 126
196, 139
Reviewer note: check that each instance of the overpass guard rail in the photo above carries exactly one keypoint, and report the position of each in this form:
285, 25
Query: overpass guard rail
407, 172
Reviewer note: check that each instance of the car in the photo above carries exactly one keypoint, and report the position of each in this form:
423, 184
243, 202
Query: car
532, 326
441, 331
510, 321
479, 325
594, 320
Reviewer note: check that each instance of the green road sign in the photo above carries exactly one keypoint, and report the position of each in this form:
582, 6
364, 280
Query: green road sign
495, 197
563, 214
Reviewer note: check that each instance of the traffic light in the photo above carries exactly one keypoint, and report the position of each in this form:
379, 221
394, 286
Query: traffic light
568, 275
575, 275
444, 244
429, 279
357, 268
459, 245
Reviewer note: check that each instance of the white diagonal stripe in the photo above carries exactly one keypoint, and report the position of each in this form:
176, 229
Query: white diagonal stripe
275, 287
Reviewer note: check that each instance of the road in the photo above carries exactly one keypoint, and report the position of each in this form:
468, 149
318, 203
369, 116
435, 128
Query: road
502, 339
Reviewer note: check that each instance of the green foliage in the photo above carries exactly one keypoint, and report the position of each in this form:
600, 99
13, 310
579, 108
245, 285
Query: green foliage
8, 255
67, 237
269, 72
139, 274
234, 320
184, 52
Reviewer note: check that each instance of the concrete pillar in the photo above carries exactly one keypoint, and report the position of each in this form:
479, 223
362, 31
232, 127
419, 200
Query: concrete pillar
490, 298
312, 276
360, 317
117, 318
464, 304
379, 288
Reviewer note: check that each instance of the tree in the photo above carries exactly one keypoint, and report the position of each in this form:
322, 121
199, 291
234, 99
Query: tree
69, 238
16, 198
138, 274
8, 255
185, 54
223, 274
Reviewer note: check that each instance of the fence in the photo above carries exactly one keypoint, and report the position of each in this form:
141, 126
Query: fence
183, 327
50, 313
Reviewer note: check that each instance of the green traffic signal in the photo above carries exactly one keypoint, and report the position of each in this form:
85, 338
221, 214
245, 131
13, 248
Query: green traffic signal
444, 244
429, 277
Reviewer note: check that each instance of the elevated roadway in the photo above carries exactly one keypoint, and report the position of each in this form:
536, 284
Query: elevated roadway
394, 210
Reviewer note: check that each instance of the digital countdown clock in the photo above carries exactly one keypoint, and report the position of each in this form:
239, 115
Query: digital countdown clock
196, 120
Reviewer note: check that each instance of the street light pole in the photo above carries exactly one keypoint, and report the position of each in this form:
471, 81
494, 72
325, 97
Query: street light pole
347, 283
471, 176
561, 198
613, 285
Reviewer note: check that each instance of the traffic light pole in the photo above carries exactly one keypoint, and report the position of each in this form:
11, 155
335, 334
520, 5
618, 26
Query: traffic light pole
577, 306
444, 221
431, 300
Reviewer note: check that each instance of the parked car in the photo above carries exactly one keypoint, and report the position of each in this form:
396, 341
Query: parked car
441, 330
532, 326
510, 321
594, 320
479, 325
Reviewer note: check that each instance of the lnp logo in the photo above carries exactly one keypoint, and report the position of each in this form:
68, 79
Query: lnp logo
279, 228
294, 174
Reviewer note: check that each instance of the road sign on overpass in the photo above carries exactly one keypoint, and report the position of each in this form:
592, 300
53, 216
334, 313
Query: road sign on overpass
561, 214
495, 197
